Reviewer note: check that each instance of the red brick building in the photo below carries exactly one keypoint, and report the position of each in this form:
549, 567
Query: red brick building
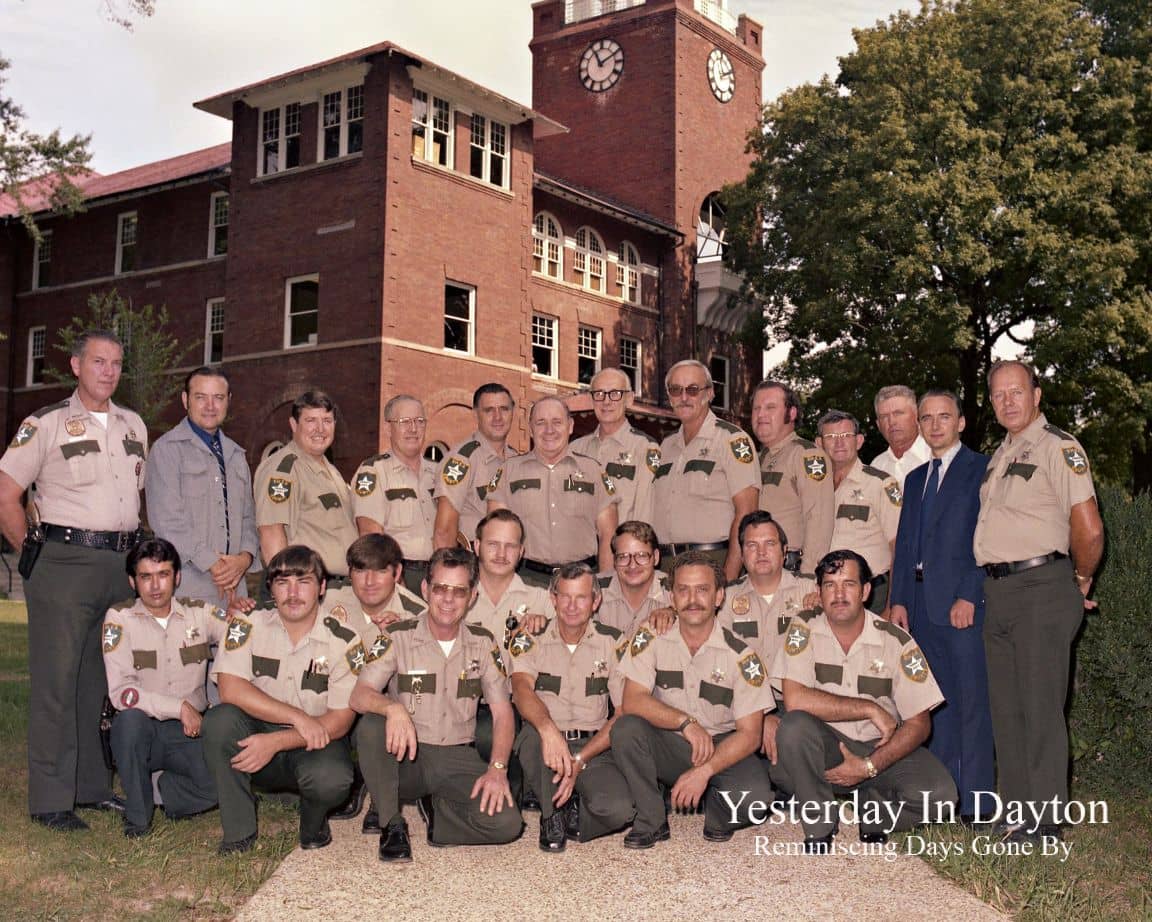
380, 225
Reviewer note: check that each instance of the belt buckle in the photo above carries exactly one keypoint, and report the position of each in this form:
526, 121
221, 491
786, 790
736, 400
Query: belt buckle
124, 541
571, 735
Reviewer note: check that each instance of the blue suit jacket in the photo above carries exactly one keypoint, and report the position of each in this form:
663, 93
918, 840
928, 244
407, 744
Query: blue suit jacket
950, 569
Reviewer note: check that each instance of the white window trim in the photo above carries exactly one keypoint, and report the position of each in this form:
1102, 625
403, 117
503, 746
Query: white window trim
36, 250
28, 381
555, 349
586, 255
558, 240
288, 283
282, 139
624, 269
450, 153
487, 149
212, 225
344, 97
638, 372
122, 219
599, 357
208, 306
726, 403
471, 289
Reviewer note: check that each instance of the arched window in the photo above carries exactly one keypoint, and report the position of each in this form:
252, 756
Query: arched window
588, 260
712, 230
628, 273
547, 245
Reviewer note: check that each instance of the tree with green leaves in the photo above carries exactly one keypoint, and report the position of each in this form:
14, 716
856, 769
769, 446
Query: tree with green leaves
959, 191
150, 352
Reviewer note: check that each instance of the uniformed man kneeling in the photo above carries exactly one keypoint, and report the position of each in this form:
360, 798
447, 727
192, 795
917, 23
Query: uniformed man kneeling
561, 684
694, 705
857, 691
418, 741
285, 676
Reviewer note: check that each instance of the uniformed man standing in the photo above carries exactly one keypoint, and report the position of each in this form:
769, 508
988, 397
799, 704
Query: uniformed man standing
462, 487
156, 652
285, 676
565, 500
300, 496
86, 457
693, 711
897, 420
394, 489
629, 456
417, 741
199, 492
795, 482
867, 502
857, 691
708, 478
634, 590
562, 681
1039, 538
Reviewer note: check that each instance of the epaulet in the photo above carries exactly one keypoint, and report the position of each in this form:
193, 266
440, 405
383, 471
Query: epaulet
644, 435
412, 605
607, 630
889, 628
664, 584
467, 448
1059, 433
265, 606
480, 631
346, 634
876, 472
409, 625
121, 606
285, 465
213, 609
383, 456
807, 614
805, 443
737, 645
580, 454
44, 411
726, 426
739, 581
605, 581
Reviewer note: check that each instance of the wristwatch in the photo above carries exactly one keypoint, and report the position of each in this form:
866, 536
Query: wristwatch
684, 724
499, 766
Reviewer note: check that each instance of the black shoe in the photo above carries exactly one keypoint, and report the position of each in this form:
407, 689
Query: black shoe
351, 808
572, 817
552, 836
318, 839
238, 847
636, 839
132, 831
112, 802
371, 824
719, 835
394, 842
818, 845
873, 836
529, 801
60, 821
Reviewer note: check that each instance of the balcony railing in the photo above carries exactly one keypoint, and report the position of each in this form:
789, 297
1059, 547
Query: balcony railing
579, 10
715, 11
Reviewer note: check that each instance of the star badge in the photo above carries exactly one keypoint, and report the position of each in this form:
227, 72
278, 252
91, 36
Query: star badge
279, 489
365, 484
111, 637
454, 471
815, 468
752, 670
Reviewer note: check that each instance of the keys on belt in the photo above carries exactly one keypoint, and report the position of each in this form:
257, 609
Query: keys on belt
119, 541
1000, 570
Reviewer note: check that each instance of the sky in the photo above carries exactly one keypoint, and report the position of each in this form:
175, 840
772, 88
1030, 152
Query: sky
73, 69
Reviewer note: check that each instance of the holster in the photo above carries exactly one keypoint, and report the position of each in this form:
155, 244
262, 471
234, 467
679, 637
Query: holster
30, 551
792, 560
107, 714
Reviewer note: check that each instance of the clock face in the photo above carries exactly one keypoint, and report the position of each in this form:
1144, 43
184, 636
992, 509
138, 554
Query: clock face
721, 77
601, 65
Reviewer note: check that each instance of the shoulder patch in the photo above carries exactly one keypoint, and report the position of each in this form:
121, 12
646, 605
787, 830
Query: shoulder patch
480, 631
914, 665
356, 657
640, 641
609, 486
652, 459
815, 467
279, 489
454, 471
875, 472
23, 435
737, 645
1075, 459
796, 637
725, 426
238, 633
110, 637
51, 408
621, 649
742, 450
607, 630
1059, 433
365, 483
889, 628
521, 643
285, 465
381, 645
499, 661
752, 669
344, 633
495, 481
467, 448
408, 625
892, 491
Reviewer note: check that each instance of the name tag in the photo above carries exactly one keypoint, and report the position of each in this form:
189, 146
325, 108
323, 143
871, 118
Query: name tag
669, 678
827, 674
265, 667
853, 513
143, 659
79, 449
716, 694
548, 683
468, 688
197, 653
423, 683
595, 685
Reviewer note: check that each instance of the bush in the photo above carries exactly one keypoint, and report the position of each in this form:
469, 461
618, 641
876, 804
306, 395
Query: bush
1111, 711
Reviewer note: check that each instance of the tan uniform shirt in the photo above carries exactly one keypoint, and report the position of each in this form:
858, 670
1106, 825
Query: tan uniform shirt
695, 483
345, 607
723, 682
574, 686
157, 669
883, 664
867, 515
796, 487
441, 692
631, 459
760, 623
616, 612
316, 675
388, 491
558, 505
307, 496
87, 476
464, 479
519, 599
1026, 500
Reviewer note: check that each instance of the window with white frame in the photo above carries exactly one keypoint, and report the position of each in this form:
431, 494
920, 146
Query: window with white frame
718, 368
218, 224
42, 261
544, 346
214, 332
712, 229
301, 311
37, 337
280, 138
588, 259
630, 363
587, 354
342, 122
628, 273
126, 229
431, 128
488, 151
459, 317
547, 245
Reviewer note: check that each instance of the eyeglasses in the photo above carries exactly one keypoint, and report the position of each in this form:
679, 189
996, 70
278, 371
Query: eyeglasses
692, 390
837, 436
413, 422
615, 395
640, 557
456, 592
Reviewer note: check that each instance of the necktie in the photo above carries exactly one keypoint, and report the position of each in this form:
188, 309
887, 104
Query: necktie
929, 503
218, 450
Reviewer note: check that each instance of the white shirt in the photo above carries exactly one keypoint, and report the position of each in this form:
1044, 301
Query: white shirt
899, 468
